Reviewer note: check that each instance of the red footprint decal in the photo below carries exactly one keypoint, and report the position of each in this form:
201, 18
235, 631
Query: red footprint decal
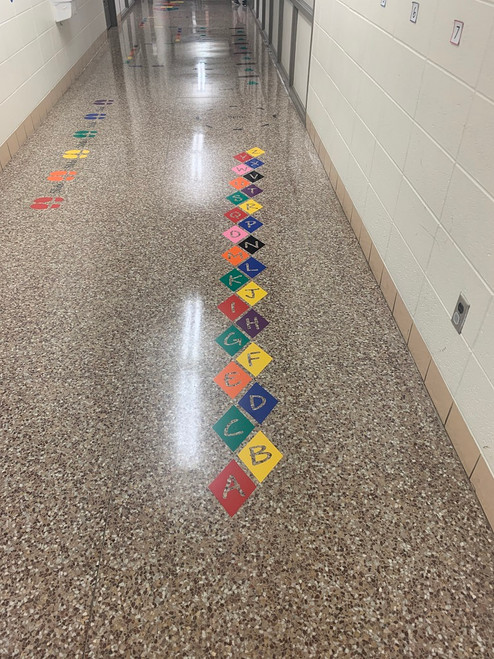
45, 203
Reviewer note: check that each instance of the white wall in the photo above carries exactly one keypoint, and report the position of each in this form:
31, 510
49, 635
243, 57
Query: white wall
408, 121
281, 40
36, 53
120, 6
302, 57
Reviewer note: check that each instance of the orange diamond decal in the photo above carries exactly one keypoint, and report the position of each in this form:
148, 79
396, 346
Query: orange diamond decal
232, 379
235, 255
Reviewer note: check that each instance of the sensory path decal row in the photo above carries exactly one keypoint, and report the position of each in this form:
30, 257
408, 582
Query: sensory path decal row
232, 487
61, 177
241, 48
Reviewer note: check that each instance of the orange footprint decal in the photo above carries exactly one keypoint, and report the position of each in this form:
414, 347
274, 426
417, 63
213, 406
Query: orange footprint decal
76, 153
62, 175
45, 203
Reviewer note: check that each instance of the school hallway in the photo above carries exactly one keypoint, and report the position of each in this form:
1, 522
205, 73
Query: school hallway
215, 440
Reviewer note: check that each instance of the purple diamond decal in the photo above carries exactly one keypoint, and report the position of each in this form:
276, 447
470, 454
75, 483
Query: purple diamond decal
252, 190
252, 323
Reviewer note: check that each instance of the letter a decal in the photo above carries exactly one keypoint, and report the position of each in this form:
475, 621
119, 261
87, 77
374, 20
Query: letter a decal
232, 487
232, 484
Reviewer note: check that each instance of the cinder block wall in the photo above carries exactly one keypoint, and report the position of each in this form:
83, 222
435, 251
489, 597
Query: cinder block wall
39, 59
404, 123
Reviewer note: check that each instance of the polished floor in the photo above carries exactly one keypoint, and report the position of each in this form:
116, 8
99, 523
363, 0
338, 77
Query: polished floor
348, 528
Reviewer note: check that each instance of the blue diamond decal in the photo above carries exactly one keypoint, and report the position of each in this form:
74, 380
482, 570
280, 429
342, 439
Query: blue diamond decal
250, 224
258, 402
252, 267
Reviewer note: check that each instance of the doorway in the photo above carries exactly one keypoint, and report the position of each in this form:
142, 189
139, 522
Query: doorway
110, 13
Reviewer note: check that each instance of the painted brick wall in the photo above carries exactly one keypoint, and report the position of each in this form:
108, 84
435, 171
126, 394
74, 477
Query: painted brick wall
36, 53
408, 121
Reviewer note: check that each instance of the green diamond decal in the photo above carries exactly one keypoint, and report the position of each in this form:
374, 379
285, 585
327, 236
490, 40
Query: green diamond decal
232, 340
238, 198
233, 428
234, 279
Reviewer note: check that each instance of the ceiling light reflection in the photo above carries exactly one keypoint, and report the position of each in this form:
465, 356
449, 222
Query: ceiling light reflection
188, 388
201, 76
196, 156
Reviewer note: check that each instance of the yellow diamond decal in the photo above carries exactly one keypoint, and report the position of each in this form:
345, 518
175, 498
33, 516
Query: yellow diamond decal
254, 359
260, 456
251, 293
250, 207
255, 152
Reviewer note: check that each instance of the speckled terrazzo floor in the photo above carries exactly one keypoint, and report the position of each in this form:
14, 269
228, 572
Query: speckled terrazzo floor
364, 541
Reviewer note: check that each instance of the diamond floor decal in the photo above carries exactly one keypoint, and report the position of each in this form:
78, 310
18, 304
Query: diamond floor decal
243, 157
235, 234
260, 456
254, 359
252, 293
232, 340
232, 379
251, 244
237, 198
233, 307
232, 487
242, 170
258, 402
254, 163
250, 224
234, 280
250, 207
255, 152
239, 183
235, 255
233, 428
252, 267
235, 215
253, 176
252, 323
252, 190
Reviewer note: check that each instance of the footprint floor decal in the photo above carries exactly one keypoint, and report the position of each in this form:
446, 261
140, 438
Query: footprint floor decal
60, 177
73, 154
47, 203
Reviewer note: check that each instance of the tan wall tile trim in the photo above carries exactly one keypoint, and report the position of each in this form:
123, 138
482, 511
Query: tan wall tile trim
29, 125
482, 479
376, 264
478, 471
420, 352
462, 439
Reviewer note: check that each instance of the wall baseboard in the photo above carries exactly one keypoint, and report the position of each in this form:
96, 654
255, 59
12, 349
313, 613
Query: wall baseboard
9, 148
475, 465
